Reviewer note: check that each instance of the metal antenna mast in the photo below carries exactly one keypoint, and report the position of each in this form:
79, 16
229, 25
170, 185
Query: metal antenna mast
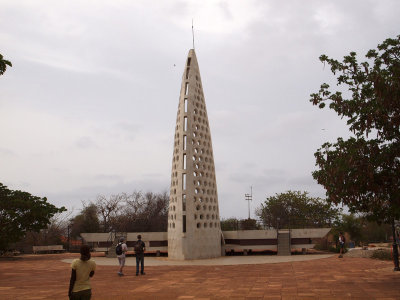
193, 34
249, 197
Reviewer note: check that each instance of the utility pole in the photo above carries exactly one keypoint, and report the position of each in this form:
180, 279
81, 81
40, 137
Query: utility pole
249, 197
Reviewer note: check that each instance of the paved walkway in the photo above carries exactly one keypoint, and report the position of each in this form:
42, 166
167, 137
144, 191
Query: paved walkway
47, 277
220, 261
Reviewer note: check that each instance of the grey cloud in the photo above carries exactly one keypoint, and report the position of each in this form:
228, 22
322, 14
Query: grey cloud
73, 198
124, 89
7, 152
108, 177
85, 142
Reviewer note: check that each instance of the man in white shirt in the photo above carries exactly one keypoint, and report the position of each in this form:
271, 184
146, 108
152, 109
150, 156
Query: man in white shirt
121, 257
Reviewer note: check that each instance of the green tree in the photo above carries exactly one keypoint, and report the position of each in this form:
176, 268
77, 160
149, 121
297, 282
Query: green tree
353, 225
249, 224
363, 172
234, 224
231, 224
21, 212
374, 232
51, 235
3, 64
361, 229
86, 221
350, 224
295, 209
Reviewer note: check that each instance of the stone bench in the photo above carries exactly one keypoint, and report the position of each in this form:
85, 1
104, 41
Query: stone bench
48, 249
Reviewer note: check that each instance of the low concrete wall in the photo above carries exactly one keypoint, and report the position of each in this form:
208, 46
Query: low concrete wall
155, 241
310, 233
236, 241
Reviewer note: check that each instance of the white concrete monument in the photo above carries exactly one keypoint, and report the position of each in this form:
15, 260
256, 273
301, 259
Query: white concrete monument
193, 220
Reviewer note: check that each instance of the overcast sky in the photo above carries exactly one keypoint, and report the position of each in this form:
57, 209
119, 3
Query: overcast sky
90, 103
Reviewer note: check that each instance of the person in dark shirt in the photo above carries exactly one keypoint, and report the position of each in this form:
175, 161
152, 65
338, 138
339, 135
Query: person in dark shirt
140, 247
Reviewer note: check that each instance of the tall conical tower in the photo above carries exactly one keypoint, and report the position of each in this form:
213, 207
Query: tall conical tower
193, 220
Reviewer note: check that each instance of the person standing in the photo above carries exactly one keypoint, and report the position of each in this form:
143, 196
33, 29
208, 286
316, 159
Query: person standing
342, 241
140, 247
121, 250
82, 269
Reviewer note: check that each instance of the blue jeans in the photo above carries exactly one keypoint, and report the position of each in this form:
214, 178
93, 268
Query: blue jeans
140, 259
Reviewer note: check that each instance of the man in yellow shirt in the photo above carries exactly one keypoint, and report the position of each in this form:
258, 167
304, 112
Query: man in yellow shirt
82, 269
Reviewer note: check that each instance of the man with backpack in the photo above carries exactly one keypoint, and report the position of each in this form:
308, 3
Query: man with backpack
120, 250
139, 248
342, 241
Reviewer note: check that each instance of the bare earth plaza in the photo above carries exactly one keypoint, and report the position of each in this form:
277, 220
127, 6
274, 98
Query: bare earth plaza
323, 212
47, 277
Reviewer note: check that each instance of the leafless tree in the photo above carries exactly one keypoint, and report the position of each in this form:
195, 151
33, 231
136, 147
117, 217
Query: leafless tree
108, 208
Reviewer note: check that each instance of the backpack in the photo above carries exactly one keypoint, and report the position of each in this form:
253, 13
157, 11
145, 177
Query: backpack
138, 247
118, 249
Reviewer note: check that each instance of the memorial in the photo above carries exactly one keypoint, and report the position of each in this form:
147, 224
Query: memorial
193, 221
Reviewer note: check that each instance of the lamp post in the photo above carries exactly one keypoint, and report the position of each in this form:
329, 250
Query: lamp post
395, 249
68, 235
249, 197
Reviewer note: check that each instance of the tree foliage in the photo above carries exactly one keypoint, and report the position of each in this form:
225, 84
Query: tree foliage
3, 64
143, 212
233, 224
108, 209
295, 209
363, 172
86, 221
21, 212
51, 235
361, 230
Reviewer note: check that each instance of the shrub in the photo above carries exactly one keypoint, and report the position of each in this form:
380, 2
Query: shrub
382, 254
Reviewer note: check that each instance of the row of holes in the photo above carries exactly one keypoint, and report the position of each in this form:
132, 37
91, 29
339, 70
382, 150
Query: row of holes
196, 134
197, 174
196, 183
204, 207
201, 136
198, 200
198, 225
198, 208
199, 143
204, 183
198, 191
201, 216
200, 120
195, 199
195, 142
205, 199
200, 158
198, 167
210, 175
203, 166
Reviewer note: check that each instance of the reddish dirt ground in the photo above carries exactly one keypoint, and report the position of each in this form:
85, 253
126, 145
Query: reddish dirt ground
46, 277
